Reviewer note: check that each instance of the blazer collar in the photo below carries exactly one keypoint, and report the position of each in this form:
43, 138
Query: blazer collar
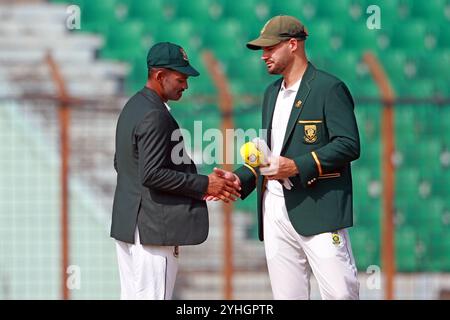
300, 101
271, 101
153, 97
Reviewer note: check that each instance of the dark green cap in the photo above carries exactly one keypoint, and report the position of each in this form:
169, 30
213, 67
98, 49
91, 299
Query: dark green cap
170, 56
278, 29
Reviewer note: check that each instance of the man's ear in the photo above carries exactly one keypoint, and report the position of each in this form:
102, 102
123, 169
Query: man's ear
159, 74
293, 44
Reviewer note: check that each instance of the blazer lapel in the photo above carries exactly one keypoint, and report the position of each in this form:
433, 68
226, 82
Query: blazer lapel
299, 102
270, 107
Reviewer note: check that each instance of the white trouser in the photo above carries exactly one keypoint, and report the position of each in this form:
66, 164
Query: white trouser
291, 258
146, 272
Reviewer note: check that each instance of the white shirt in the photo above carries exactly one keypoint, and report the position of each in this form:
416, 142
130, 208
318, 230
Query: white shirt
167, 106
280, 119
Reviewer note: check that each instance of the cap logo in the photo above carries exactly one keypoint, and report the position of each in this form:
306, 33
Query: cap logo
185, 57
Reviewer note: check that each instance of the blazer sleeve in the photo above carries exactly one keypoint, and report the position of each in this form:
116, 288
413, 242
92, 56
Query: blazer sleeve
343, 146
154, 159
248, 177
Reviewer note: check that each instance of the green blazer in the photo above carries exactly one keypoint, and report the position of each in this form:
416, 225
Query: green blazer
161, 196
322, 138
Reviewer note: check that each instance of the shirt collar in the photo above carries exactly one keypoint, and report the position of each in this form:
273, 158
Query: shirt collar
293, 88
167, 106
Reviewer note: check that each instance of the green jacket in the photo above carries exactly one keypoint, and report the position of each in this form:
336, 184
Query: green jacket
322, 138
162, 197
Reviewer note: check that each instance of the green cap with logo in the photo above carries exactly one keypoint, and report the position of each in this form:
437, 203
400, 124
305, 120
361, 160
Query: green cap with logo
278, 29
170, 56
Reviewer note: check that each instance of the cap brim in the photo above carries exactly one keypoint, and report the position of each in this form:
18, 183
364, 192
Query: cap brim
262, 42
187, 70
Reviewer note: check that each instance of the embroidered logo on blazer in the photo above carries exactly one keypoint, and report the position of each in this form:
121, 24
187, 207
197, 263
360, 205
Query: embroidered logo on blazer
310, 133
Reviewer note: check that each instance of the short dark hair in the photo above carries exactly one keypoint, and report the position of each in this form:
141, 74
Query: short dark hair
151, 70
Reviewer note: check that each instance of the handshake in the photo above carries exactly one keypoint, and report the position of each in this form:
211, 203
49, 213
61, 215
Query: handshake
225, 185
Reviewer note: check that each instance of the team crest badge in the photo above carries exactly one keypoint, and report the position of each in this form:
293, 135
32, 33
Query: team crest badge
336, 238
185, 57
298, 104
310, 133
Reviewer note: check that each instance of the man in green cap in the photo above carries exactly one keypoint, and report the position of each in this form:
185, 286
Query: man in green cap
313, 136
159, 200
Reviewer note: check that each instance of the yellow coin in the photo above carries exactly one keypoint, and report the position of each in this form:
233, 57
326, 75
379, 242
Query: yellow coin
251, 155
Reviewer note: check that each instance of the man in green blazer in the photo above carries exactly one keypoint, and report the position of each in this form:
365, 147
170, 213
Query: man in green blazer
312, 132
159, 198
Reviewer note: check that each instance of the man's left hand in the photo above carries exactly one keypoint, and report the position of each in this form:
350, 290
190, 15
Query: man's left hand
279, 168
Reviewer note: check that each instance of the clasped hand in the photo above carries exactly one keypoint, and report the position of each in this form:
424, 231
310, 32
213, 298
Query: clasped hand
223, 185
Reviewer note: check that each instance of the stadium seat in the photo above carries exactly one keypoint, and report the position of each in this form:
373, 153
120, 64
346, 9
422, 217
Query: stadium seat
389, 10
98, 15
183, 32
405, 249
255, 68
440, 246
338, 10
393, 62
248, 120
198, 10
362, 178
124, 41
365, 246
442, 182
410, 152
242, 88
293, 8
431, 9
372, 119
364, 88
252, 13
138, 74
425, 216
228, 41
415, 89
370, 212
428, 121
407, 183
152, 12
406, 130
425, 156
445, 126
410, 35
344, 65
435, 65
359, 38
319, 39
429, 216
